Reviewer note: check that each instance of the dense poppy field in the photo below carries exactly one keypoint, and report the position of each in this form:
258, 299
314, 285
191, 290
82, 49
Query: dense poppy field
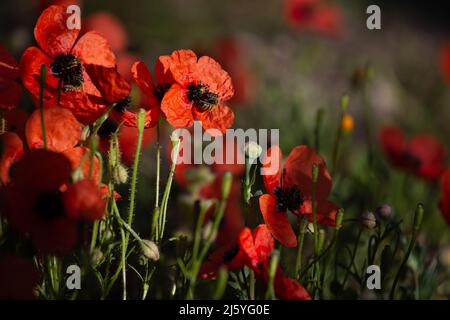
352, 201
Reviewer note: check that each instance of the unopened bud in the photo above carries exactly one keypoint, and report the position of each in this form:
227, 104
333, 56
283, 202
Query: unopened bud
384, 211
418, 217
315, 173
226, 184
252, 150
339, 218
321, 241
344, 102
120, 174
368, 220
150, 250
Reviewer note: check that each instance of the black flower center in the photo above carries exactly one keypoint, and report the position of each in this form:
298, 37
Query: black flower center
107, 128
69, 69
161, 90
230, 254
123, 105
49, 205
202, 98
288, 198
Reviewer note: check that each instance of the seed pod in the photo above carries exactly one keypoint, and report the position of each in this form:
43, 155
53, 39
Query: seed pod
368, 220
120, 174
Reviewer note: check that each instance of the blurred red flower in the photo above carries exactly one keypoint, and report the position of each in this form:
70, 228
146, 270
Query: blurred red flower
290, 189
289, 289
199, 90
39, 206
109, 27
66, 57
10, 90
18, 278
445, 62
423, 155
233, 57
314, 15
11, 150
444, 203
251, 249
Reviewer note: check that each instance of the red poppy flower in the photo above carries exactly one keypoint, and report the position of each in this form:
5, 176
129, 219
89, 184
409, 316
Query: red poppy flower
252, 250
423, 155
16, 120
65, 58
10, 90
79, 158
200, 89
115, 89
445, 61
444, 203
314, 15
109, 27
18, 278
291, 189
289, 289
37, 207
233, 57
63, 131
11, 150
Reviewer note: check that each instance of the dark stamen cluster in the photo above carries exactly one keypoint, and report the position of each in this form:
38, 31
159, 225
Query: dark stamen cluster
49, 205
123, 105
230, 254
202, 98
69, 69
161, 90
288, 198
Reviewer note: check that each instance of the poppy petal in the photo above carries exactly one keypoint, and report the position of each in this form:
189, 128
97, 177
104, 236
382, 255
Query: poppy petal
444, 203
79, 157
176, 108
10, 94
83, 200
162, 70
92, 48
393, 143
247, 245
271, 169
264, 243
276, 221
298, 168
63, 131
325, 211
183, 66
217, 120
9, 69
289, 289
11, 149
129, 118
141, 75
218, 80
51, 31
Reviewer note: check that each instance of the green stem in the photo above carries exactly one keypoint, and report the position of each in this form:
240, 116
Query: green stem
156, 211
300, 243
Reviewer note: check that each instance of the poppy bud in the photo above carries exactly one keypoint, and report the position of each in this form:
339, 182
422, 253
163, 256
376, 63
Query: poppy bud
96, 257
339, 218
315, 173
252, 150
347, 123
344, 102
384, 211
321, 239
150, 250
226, 184
418, 217
141, 120
368, 220
120, 174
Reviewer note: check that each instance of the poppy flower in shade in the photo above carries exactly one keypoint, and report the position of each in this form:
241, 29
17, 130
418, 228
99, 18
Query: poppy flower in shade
444, 203
82, 201
37, 206
11, 150
65, 57
109, 27
251, 249
290, 189
445, 61
16, 120
116, 90
200, 89
232, 55
423, 155
63, 131
79, 158
289, 289
18, 278
10, 90
314, 15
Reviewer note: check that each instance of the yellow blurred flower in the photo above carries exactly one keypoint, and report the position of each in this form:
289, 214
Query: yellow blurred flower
347, 123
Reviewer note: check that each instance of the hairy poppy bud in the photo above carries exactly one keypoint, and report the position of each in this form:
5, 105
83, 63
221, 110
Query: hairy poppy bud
384, 211
344, 102
150, 250
368, 220
252, 150
96, 257
120, 174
